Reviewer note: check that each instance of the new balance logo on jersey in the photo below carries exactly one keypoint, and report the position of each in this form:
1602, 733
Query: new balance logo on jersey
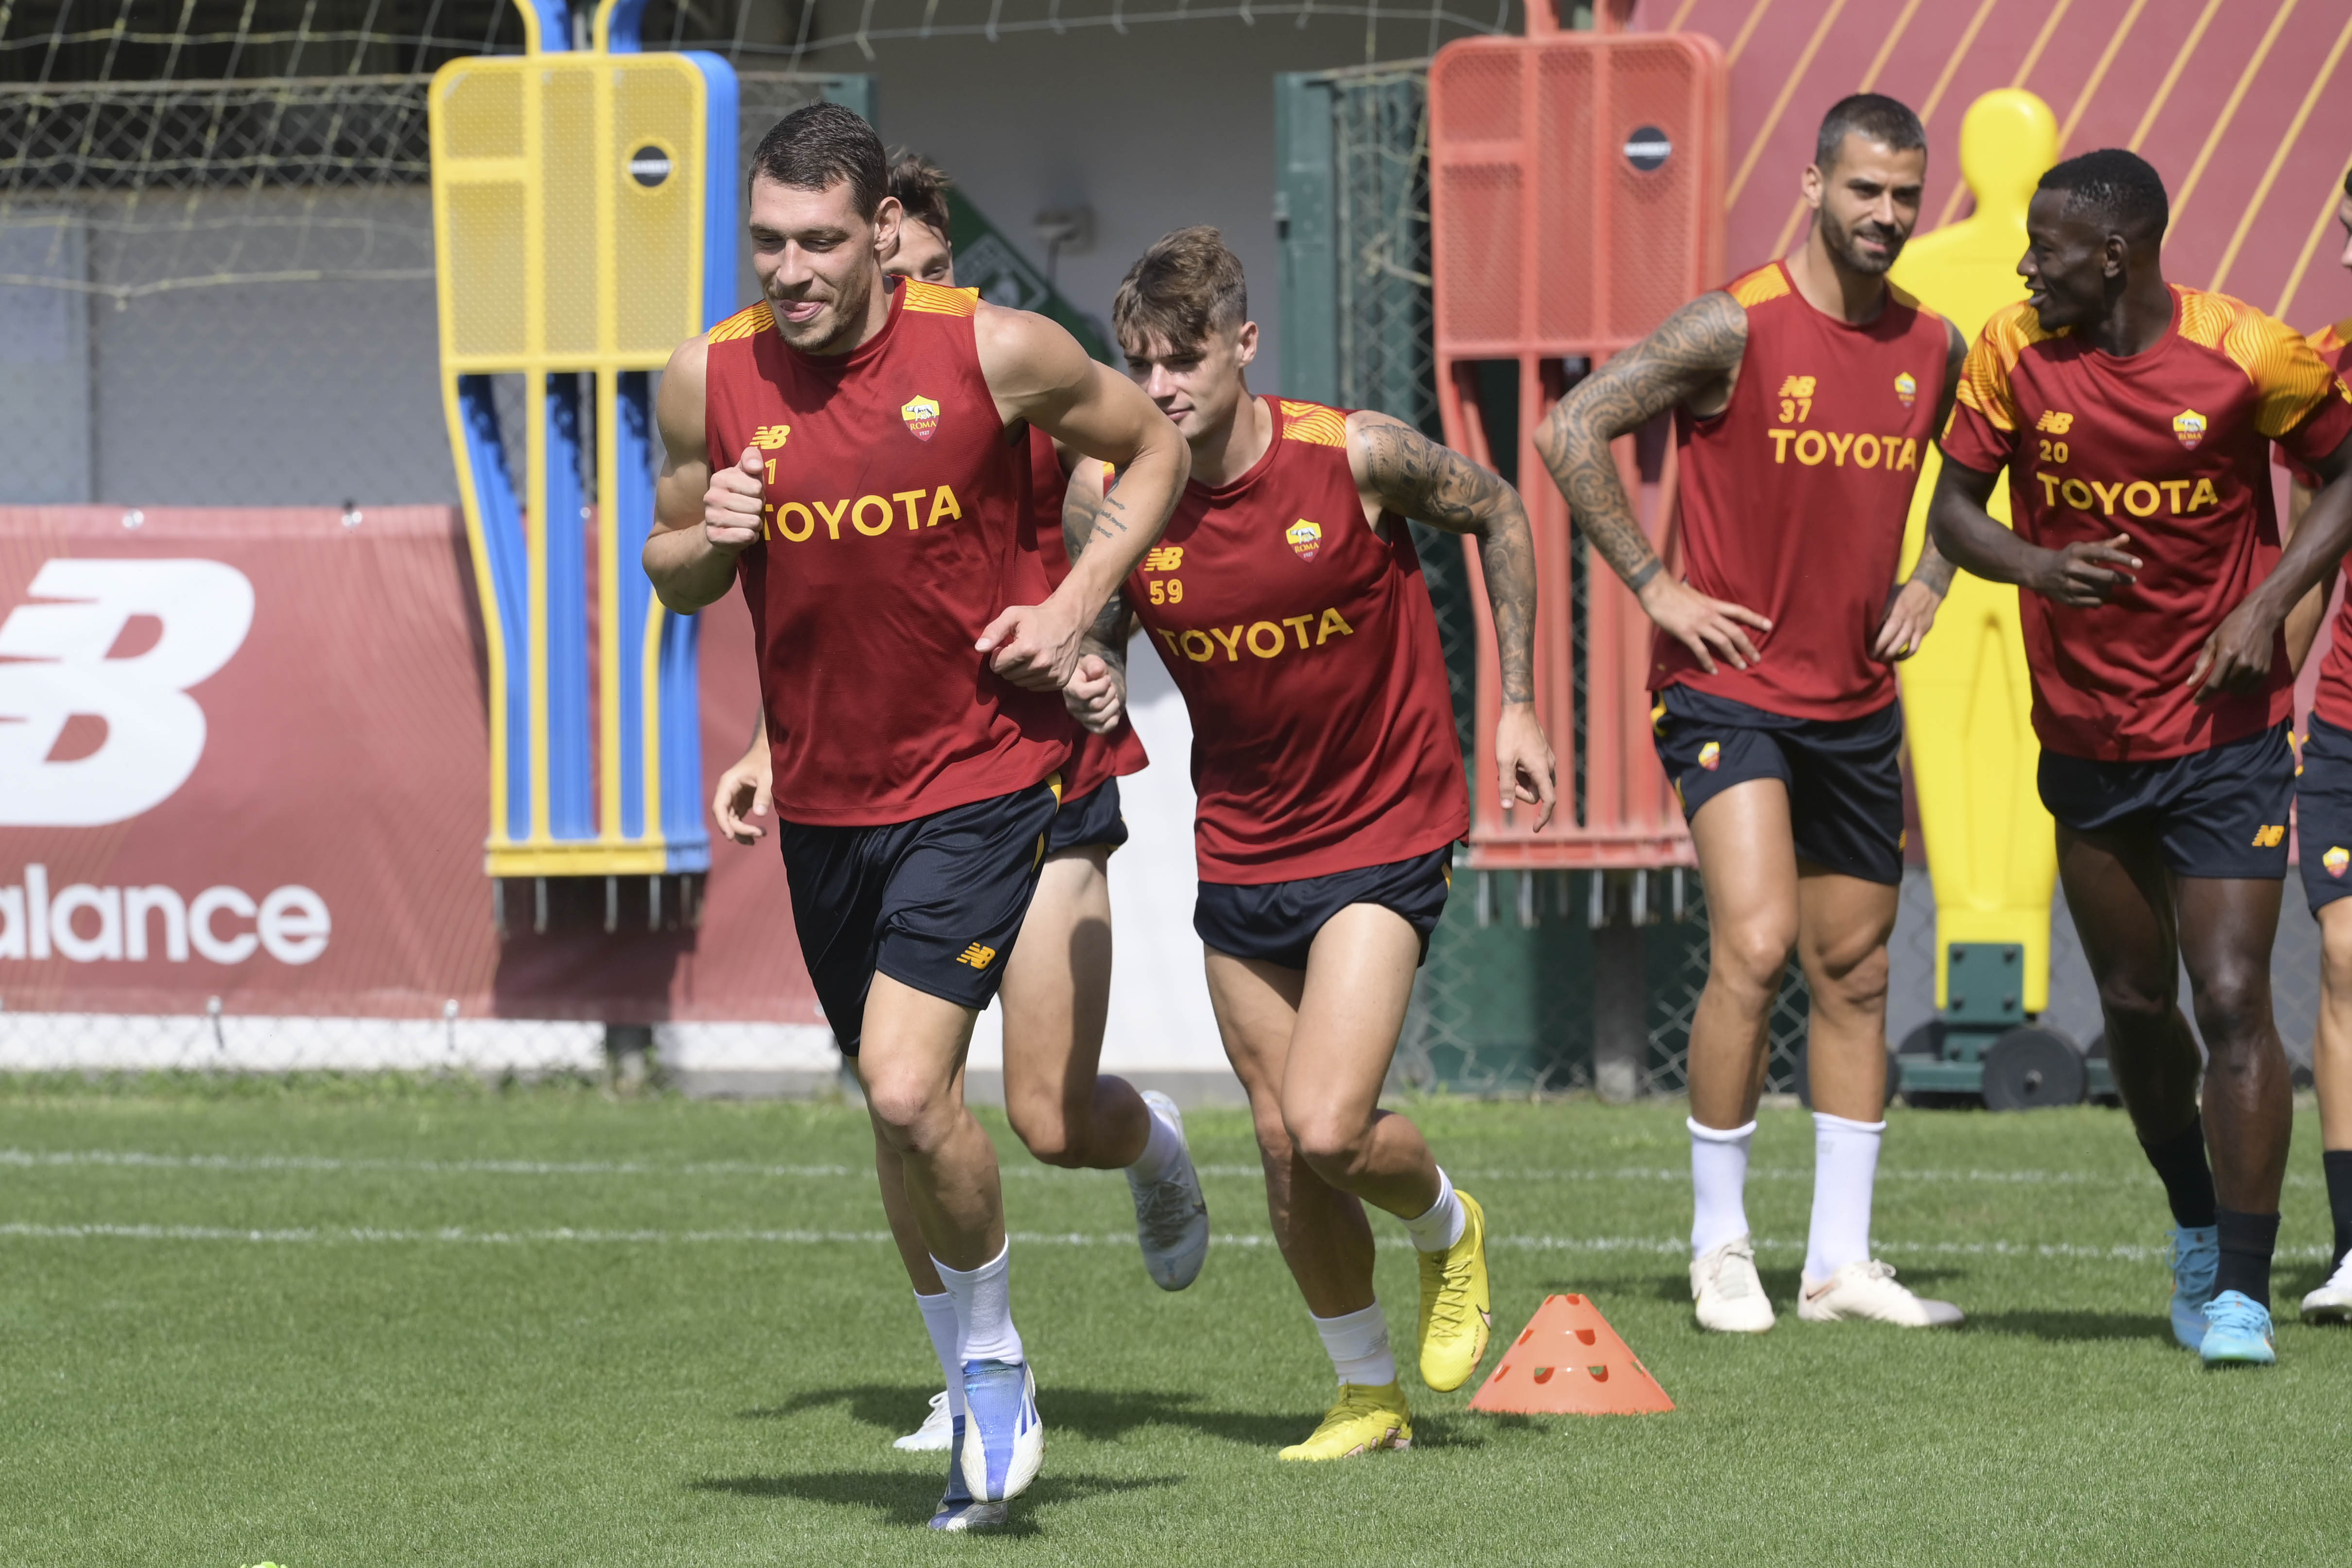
1797, 386
771, 437
1164, 558
1814, 448
873, 516
2052, 423
1265, 639
2139, 497
978, 956
2270, 837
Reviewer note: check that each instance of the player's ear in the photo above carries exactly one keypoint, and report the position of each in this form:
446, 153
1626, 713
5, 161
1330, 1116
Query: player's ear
887, 216
1245, 343
1813, 184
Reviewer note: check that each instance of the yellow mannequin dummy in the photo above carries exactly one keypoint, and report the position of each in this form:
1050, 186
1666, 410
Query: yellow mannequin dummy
1992, 848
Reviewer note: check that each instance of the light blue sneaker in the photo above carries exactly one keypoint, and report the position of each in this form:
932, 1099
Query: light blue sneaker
2237, 1331
1005, 1442
958, 1509
2196, 1257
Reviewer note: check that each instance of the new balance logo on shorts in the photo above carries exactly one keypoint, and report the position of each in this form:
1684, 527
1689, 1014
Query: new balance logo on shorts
978, 956
2270, 838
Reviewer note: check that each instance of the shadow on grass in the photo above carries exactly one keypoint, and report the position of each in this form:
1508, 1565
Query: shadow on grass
1103, 1415
907, 1500
2073, 1327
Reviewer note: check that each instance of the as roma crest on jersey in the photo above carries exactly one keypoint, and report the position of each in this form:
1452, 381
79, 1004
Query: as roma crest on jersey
2190, 426
922, 416
1906, 389
1305, 538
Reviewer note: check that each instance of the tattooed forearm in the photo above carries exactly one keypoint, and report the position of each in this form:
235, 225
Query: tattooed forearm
1933, 573
1083, 507
1410, 474
1694, 349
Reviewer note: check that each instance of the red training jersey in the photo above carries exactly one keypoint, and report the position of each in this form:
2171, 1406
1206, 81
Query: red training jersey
897, 523
2170, 445
1098, 757
1794, 498
2333, 700
1303, 641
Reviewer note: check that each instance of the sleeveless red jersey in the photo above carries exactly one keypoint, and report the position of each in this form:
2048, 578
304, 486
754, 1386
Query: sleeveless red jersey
1098, 757
1323, 735
897, 523
2333, 700
1793, 498
2170, 445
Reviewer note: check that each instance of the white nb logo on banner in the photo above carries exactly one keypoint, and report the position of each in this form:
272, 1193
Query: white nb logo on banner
53, 664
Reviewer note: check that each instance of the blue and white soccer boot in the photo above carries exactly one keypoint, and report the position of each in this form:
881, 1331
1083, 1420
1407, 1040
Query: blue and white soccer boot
958, 1509
2237, 1332
1004, 1442
2196, 1258
1172, 1217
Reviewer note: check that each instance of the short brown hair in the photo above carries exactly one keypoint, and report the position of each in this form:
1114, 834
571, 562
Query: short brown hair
1187, 286
819, 143
921, 187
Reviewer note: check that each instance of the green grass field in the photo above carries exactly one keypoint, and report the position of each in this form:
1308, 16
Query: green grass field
401, 1323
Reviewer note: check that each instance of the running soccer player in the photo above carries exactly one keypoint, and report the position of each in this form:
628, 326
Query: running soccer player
855, 452
1803, 395
1288, 604
2323, 806
1056, 988
2134, 419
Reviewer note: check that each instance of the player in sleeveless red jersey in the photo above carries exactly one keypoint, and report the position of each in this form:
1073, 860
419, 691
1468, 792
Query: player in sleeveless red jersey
2323, 811
2134, 419
1287, 602
1803, 396
856, 452
1056, 990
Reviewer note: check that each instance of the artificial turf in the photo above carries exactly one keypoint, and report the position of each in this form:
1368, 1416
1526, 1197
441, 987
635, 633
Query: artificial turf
393, 1324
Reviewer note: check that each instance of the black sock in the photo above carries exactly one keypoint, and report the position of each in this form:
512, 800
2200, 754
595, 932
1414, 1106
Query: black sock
2247, 1242
2337, 1164
2179, 1160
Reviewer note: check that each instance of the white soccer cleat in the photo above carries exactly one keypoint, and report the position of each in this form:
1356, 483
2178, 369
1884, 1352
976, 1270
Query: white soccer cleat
2332, 1303
1731, 1297
1865, 1291
936, 1435
1172, 1218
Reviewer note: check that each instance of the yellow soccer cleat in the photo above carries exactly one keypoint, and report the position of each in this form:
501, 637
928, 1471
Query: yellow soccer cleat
1455, 1313
1362, 1420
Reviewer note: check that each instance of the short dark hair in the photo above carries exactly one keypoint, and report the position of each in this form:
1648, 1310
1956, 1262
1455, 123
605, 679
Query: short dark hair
2115, 187
921, 187
1873, 117
820, 143
1188, 284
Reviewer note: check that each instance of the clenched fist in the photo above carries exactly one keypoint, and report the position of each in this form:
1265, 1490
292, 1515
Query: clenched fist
731, 507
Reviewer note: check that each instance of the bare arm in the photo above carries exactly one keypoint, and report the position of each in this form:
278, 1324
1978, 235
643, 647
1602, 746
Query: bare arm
1037, 372
2080, 575
1400, 470
1911, 606
2303, 623
701, 521
1692, 359
1096, 693
2238, 654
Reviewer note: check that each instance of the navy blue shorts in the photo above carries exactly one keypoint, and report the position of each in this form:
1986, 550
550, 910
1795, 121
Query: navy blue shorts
1844, 776
2323, 812
1092, 819
1276, 921
2220, 812
934, 904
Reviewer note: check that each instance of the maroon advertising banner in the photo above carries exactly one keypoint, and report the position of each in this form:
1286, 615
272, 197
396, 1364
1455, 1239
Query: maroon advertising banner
244, 755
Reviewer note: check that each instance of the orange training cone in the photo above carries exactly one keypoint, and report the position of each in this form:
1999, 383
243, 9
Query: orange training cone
1567, 1361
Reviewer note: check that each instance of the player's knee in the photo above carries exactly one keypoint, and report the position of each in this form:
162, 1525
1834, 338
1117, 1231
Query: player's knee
1750, 958
2133, 1007
2336, 956
1332, 1145
2234, 1007
1047, 1132
1854, 973
911, 1111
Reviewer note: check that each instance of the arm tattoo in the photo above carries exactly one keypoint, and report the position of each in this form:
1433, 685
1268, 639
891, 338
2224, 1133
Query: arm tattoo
1694, 349
1082, 520
1410, 474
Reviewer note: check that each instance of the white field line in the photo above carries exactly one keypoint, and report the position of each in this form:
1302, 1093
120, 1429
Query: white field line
129, 1158
1661, 1245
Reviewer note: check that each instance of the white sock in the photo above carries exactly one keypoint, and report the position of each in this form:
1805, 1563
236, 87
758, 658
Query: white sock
1718, 1185
983, 1303
1358, 1344
1845, 1170
1442, 1227
1162, 1148
939, 1318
